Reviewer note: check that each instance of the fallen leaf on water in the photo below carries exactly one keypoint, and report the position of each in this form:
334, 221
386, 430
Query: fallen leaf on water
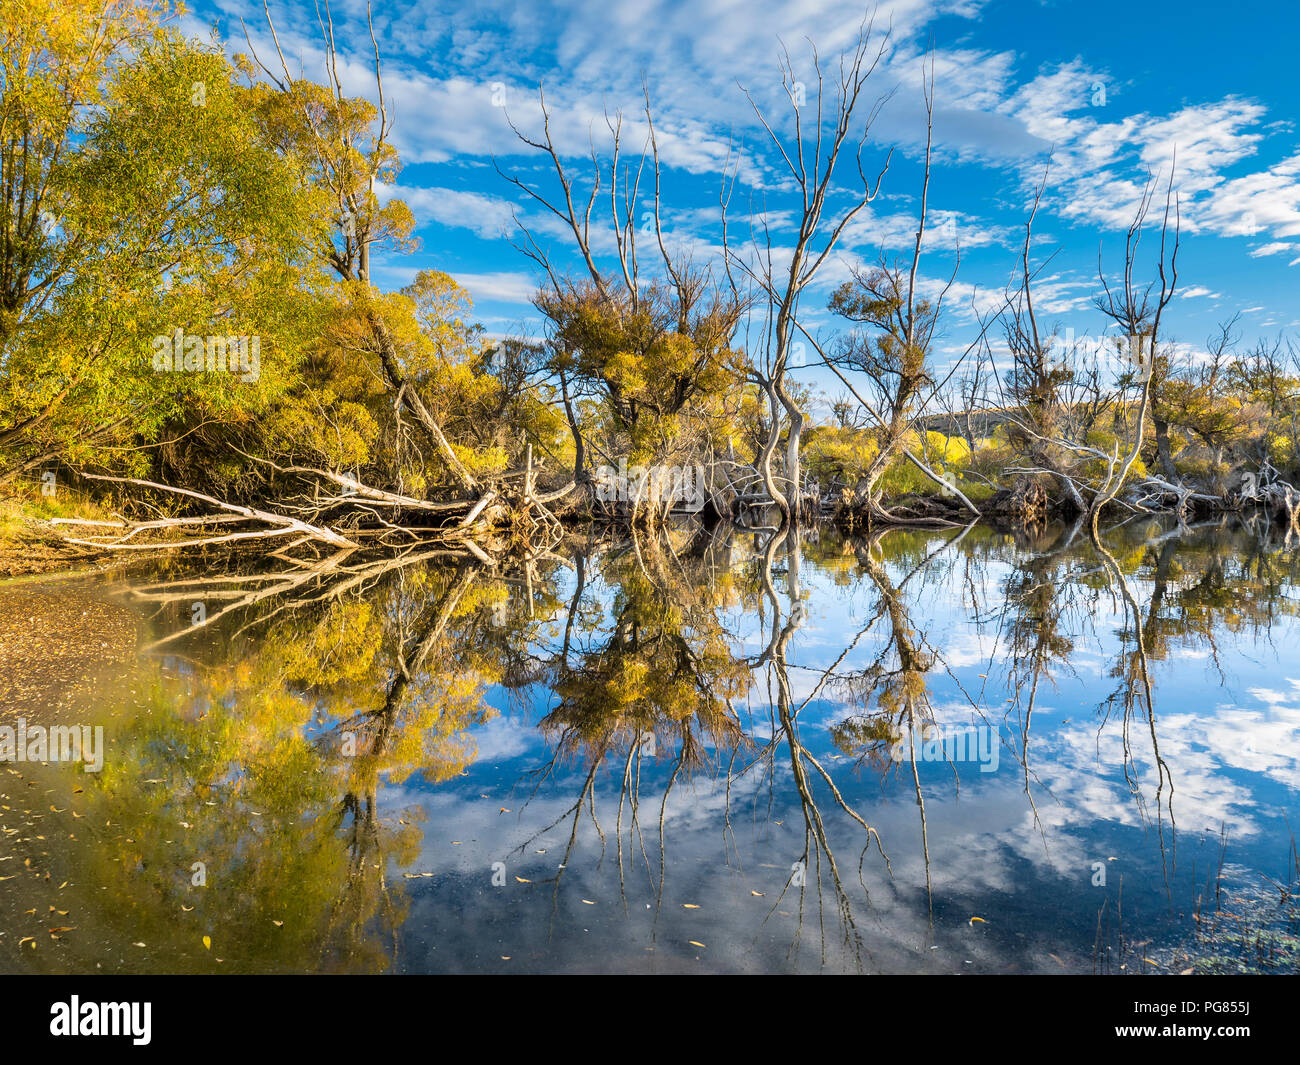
522, 880
62, 928
137, 944
757, 894
28, 939
8, 877
689, 906
1186, 972
186, 909
505, 957
1057, 960
278, 924
207, 942
504, 810
980, 919
695, 943
589, 902
1150, 961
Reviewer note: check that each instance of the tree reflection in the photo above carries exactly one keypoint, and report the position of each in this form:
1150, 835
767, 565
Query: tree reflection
787, 617
258, 823
286, 713
653, 671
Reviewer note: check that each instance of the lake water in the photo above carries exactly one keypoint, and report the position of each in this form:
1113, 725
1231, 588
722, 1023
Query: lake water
927, 751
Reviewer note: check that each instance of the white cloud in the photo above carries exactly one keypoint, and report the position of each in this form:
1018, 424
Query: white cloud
1274, 248
487, 216
1265, 201
502, 286
448, 69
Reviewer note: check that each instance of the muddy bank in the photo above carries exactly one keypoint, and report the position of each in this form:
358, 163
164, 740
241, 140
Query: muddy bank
60, 641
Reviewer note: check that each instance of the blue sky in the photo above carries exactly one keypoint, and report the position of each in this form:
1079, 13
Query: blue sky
1106, 91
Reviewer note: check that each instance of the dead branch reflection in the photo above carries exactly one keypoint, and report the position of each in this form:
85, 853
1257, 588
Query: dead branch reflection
673, 660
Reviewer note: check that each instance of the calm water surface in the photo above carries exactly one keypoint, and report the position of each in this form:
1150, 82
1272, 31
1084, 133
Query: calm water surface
926, 751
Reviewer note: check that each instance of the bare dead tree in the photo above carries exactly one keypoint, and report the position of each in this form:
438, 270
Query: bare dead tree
811, 157
1034, 387
889, 350
1131, 307
1138, 311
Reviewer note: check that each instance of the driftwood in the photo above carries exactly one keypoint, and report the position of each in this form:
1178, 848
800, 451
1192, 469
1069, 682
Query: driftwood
279, 524
1179, 497
337, 501
1269, 489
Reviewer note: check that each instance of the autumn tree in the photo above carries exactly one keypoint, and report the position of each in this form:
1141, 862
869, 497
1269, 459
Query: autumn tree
140, 199
345, 146
651, 338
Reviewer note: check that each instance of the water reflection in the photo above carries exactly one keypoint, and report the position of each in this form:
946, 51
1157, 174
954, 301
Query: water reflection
701, 749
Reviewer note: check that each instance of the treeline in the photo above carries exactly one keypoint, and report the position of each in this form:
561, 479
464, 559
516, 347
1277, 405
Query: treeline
190, 334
